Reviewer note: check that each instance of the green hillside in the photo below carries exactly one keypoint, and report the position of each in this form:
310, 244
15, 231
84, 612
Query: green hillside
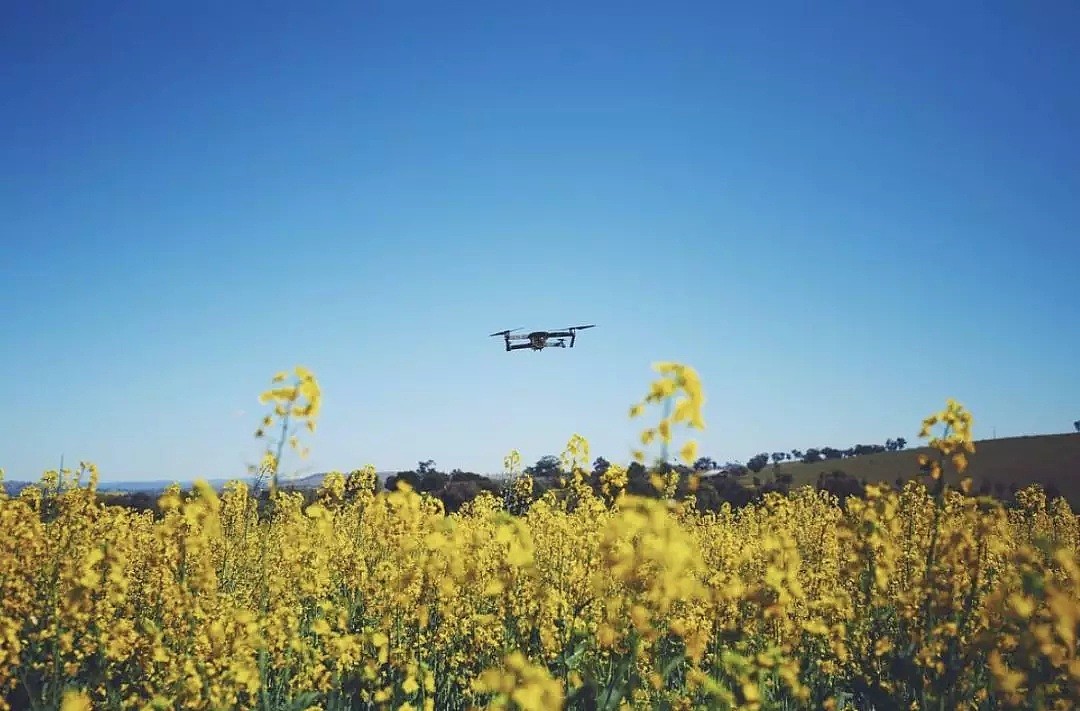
999, 464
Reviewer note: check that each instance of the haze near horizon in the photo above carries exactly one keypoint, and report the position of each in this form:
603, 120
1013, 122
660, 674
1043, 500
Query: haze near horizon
839, 217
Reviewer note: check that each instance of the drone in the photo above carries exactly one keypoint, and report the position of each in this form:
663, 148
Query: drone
538, 340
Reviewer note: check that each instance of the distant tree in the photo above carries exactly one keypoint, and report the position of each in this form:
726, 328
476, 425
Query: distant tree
433, 481
778, 457
831, 453
812, 455
727, 490
458, 494
411, 478
458, 475
796, 455
600, 466
424, 478
757, 462
733, 469
895, 445
1076, 425
668, 467
708, 498
840, 484
704, 464
546, 466
637, 481
777, 486
137, 500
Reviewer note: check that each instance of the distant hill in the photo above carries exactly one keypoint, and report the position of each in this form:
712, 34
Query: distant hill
152, 485
314, 481
1001, 464
134, 486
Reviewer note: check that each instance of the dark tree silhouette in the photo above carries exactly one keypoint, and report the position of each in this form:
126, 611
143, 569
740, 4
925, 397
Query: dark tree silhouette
704, 464
546, 466
433, 482
458, 475
757, 462
841, 485
410, 477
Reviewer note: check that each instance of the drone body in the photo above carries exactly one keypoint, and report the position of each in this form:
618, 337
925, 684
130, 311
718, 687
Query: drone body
539, 340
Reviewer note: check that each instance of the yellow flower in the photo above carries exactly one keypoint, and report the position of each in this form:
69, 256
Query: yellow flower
75, 701
688, 453
399, 596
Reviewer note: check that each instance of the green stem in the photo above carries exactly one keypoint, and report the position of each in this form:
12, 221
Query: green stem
280, 449
667, 415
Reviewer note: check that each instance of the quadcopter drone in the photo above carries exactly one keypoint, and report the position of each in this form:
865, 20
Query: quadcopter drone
538, 340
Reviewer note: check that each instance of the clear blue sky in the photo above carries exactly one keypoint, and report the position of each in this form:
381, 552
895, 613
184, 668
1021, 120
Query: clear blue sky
840, 217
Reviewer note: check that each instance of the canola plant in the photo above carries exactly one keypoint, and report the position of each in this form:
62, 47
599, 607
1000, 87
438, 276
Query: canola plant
922, 597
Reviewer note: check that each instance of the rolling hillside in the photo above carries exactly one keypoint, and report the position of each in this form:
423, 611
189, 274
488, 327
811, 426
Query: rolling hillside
1051, 460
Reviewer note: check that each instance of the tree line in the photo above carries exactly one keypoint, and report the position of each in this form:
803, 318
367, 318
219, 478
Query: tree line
812, 455
730, 482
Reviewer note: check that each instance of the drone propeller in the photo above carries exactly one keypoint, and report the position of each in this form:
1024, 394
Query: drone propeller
578, 328
506, 332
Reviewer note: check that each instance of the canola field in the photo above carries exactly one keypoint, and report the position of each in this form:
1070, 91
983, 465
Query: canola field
585, 597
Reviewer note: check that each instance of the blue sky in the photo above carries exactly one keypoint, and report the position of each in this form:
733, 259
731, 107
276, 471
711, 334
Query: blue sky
840, 217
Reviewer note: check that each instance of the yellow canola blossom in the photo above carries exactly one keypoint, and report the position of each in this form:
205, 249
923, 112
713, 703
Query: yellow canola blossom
578, 596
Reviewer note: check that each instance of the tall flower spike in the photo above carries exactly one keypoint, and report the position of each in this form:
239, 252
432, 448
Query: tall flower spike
680, 389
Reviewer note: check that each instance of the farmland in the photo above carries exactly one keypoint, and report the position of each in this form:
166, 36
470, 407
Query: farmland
1001, 467
921, 596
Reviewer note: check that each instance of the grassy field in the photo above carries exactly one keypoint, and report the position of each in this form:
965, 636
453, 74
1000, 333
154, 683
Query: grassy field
1009, 463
